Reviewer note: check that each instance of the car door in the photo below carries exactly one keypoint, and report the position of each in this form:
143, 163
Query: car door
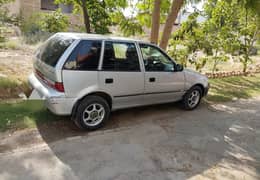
121, 75
162, 82
80, 71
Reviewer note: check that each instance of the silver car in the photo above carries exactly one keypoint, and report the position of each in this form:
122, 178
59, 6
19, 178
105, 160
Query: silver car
88, 76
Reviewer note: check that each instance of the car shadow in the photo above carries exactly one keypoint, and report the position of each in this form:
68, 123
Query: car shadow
159, 142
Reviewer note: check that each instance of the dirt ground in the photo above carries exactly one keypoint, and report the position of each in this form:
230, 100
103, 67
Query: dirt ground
218, 141
16, 63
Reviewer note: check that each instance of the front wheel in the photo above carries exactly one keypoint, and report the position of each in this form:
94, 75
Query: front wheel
92, 113
192, 98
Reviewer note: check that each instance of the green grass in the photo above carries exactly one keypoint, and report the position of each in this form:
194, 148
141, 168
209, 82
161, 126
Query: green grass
29, 114
11, 88
226, 89
24, 114
14, 45
8, 83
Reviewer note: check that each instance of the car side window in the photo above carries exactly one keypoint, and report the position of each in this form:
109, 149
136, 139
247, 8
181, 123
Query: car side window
85, 56
155, 60
120, 56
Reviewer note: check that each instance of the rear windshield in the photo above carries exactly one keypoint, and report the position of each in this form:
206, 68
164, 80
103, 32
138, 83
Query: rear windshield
51, 50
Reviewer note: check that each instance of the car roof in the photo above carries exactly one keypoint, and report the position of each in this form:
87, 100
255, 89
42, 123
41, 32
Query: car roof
97, 36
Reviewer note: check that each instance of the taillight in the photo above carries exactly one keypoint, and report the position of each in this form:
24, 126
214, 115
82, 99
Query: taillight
59, 86
55, 85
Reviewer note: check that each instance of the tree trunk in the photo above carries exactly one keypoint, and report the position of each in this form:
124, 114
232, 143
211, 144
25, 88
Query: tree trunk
175, 8
155, 22
86, 16
246, 45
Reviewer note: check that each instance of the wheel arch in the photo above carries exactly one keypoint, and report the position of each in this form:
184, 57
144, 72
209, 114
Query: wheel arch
201, 86
104, 95
197, 85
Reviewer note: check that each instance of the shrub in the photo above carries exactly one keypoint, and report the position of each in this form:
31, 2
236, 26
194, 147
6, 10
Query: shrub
55, 22
10, 45
41, 26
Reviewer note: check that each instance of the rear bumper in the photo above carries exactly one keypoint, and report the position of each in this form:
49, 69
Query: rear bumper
55, 101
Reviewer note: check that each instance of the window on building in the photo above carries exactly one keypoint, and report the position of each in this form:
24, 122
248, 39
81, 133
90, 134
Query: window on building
48, 5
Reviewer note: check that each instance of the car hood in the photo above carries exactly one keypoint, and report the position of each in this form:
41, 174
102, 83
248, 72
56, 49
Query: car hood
192, 72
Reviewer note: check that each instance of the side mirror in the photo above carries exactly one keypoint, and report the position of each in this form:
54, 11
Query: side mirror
179, 67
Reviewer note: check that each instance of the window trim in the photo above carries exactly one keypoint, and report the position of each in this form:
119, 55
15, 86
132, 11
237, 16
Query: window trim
74, 47
48, 9
119, 41
161, 51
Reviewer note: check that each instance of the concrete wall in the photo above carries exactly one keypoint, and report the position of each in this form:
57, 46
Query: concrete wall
27, 7
13, 7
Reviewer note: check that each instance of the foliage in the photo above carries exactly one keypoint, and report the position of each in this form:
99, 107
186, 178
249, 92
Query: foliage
32, 24
179, 53
39, 26
32, 29
14, 45
144, 11
128, 26
191, 37
228, 29
54, 22
98, 15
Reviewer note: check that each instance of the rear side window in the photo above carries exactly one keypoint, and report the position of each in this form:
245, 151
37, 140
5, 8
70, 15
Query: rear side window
85, 56
52, 50
120, 56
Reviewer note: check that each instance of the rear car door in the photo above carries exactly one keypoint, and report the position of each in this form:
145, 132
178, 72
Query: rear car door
162, 82
121, 74
80, 71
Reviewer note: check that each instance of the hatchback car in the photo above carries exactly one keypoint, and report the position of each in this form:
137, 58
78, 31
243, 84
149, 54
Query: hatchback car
87, 76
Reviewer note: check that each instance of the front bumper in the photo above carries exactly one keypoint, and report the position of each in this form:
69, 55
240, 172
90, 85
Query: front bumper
206, 90
55, 101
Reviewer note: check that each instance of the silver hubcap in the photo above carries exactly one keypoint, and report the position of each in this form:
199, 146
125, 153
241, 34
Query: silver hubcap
93, 114
194, 98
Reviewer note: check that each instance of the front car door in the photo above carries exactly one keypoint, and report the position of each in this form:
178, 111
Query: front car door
121, 75
162, 82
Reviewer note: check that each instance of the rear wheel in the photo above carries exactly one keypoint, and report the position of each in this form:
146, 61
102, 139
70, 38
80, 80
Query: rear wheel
192, 98
92, 113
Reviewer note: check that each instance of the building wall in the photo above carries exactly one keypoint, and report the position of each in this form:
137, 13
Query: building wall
27, 7
13, 7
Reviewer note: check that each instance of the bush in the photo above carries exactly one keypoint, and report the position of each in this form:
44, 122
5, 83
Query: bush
36, 37
41, 26
55, 22
10, 45
32, 24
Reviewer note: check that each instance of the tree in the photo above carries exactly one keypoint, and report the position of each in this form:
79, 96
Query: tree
187, 41
96, 13
54, 22
155, 22
175, 8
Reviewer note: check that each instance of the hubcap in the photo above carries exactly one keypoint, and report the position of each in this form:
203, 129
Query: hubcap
93, 114
194, 98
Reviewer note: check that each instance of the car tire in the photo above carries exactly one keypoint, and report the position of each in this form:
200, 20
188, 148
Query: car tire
92, 113
192, 98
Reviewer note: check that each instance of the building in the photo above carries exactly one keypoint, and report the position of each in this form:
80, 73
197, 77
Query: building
26, 8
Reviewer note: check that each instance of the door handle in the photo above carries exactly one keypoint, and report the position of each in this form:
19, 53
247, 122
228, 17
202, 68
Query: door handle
109, 81
152, 79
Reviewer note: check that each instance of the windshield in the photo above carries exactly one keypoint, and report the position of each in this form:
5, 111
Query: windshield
53, 48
